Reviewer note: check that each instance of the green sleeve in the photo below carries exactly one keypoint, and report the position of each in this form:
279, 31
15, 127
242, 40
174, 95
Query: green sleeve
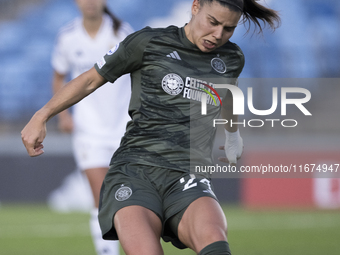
126, 57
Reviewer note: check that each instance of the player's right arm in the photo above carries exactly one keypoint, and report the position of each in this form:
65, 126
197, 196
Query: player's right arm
35, 131
65, 121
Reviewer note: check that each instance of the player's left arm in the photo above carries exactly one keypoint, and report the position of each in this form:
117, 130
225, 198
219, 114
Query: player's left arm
234, 143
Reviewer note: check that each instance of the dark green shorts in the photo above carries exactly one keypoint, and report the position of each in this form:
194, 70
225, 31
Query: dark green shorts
165, 192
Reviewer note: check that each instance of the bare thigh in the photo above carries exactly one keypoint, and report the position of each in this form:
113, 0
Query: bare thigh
202, 223
139, 230
96, 177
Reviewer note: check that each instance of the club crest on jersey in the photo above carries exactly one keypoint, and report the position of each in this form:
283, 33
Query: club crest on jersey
113, 50
218, 65
172, 84
123, 193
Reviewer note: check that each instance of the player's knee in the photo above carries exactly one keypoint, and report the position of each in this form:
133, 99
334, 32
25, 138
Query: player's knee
216, 248
215, 233
211, 234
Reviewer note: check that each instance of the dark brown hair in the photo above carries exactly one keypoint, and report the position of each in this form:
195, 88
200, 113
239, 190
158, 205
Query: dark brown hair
251, 12
116, 22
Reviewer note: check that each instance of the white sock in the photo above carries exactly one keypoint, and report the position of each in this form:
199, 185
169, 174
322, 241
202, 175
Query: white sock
103, 247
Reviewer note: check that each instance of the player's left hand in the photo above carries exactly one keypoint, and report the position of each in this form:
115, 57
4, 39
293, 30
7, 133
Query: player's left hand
233, 147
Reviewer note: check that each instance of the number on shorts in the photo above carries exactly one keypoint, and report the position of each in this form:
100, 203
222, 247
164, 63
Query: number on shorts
189, 183
207, 182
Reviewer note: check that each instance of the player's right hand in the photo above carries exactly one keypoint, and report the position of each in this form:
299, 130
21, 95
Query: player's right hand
33, 135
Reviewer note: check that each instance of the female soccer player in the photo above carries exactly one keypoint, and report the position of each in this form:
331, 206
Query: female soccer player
151, 190
97, 122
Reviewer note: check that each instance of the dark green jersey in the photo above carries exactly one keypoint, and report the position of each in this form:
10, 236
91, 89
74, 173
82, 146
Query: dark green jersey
169, 75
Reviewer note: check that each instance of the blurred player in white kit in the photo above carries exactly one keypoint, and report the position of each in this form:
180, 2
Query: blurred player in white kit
97, 122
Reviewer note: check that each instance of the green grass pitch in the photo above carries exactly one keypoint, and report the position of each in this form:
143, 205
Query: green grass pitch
35, 230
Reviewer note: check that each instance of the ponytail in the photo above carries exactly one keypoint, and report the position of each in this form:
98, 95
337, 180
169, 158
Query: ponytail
116, 22
252, 12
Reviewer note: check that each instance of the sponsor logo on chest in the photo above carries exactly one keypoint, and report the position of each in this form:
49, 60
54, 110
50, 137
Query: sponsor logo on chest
192, 88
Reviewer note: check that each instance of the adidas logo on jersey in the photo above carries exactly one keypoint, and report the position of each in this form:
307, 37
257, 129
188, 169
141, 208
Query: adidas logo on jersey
174, 55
